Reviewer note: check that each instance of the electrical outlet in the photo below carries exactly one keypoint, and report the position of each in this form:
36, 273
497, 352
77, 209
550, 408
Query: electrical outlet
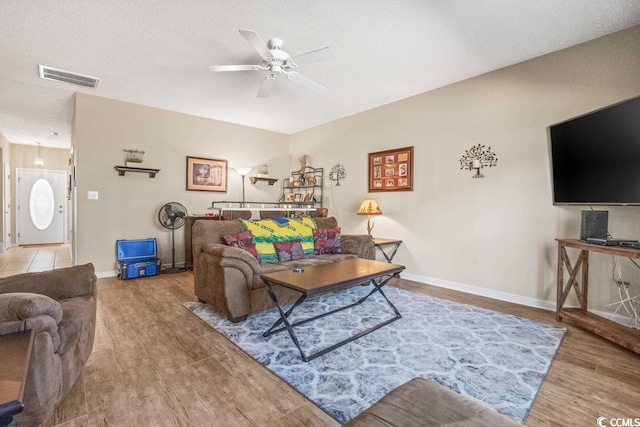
92, 195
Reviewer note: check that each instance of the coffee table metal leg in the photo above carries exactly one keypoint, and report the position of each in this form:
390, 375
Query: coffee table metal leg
284, 318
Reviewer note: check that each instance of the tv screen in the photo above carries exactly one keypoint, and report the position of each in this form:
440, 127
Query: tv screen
595, 158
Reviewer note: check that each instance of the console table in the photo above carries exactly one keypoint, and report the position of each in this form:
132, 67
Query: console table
579, 281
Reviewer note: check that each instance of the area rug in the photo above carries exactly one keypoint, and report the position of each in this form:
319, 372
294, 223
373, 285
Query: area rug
496, 358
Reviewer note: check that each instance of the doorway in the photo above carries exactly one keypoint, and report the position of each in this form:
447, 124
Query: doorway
40, 206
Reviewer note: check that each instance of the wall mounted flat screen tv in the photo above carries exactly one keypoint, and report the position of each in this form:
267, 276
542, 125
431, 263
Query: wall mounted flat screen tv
595, 158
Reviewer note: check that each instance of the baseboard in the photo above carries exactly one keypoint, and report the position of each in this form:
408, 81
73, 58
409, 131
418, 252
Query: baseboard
114, 273
505, 296
489, 293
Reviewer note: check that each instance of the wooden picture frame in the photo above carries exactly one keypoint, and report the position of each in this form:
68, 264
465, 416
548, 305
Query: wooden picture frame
206, 174
391, 170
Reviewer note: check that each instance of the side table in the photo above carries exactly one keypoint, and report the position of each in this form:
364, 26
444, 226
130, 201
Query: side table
393, 244
15, 356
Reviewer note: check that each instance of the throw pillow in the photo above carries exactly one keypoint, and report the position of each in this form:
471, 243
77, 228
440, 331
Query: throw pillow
289, 250
244, 241
327, 241
268, 231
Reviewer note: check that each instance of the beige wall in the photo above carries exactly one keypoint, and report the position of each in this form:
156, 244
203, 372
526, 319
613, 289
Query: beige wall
128, 206
496, 233
493, 236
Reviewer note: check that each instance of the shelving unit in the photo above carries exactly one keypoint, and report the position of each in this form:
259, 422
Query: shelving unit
307, 187
124, 169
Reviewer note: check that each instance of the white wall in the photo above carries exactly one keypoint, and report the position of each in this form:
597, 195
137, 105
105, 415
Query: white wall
128, 206
496, 233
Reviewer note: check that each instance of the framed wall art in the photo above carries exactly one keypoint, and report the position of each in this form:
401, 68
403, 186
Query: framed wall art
206, 174
391, 170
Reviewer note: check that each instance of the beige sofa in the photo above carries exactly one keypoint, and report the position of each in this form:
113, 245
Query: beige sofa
60, 306
229, 278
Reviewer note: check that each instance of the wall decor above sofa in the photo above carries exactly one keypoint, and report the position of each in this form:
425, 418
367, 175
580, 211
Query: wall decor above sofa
206, 174
391, 170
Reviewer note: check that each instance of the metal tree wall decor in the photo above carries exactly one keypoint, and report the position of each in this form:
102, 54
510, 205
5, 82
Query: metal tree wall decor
337, 173
478, 157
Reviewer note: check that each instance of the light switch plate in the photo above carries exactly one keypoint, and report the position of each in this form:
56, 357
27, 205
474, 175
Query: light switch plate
92, 195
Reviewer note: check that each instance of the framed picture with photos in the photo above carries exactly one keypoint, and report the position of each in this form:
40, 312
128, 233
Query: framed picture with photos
391, 170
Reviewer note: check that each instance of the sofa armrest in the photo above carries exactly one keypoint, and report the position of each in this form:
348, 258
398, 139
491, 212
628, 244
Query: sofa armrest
359, 244
20, 311
232, 257
79, 280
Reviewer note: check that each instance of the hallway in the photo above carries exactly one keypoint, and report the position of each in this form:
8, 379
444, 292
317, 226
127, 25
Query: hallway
27, 259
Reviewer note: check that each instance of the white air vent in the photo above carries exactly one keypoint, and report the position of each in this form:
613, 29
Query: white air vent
49, 73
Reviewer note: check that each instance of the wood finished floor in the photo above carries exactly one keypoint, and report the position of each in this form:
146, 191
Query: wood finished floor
156, 364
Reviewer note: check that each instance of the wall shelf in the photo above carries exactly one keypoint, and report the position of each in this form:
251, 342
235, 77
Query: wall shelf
255, 179
123, 169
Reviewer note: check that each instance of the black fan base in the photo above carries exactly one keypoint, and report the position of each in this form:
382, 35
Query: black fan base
173, 270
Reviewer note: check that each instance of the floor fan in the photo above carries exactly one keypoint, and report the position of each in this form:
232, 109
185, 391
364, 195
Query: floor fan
172, 215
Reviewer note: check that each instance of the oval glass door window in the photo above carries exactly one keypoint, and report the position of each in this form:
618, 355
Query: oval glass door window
41, 204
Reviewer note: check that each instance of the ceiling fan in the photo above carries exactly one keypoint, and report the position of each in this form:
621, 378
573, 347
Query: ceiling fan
277, 62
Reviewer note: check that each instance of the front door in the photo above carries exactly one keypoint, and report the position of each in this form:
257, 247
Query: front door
40, 206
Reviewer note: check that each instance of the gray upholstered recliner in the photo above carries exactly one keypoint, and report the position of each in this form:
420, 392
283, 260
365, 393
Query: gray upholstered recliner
60, 306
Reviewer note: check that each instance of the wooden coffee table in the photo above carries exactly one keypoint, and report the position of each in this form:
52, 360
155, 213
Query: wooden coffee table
330, 277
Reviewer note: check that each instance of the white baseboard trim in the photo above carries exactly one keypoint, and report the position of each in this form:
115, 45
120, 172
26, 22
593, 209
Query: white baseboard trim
505, 296
114, 273
489, 293
105, 274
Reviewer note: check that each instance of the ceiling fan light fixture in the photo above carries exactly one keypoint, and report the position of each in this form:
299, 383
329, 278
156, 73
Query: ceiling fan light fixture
277, 61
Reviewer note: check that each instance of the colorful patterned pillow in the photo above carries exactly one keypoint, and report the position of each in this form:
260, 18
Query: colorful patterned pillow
244, 241
268, 231
287, 251
327, 241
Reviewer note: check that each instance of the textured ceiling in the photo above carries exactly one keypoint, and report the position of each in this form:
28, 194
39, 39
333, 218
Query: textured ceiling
157, 53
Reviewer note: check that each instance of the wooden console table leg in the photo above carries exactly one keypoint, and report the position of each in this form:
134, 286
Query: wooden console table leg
560, 285
581, 266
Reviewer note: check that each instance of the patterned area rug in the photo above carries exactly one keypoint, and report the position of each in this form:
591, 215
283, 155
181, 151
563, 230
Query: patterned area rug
495, 358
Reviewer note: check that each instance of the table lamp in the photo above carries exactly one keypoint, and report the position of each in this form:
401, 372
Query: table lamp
243, 172
369, 207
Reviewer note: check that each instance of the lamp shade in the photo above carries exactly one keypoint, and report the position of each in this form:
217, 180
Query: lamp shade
369, 207
243, 171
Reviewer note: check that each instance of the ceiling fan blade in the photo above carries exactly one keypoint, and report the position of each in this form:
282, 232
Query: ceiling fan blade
258, 44
235, 67
267, 86
305, 81
323, 54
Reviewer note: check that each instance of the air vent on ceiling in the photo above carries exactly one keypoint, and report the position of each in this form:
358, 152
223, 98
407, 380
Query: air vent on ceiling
49, 73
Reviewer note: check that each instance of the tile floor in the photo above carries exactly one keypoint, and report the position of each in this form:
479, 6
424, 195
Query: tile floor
27, 259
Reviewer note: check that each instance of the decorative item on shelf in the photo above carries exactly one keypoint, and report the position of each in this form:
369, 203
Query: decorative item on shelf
38, 161
304, 159
369, 207
263, 171
337, 173
132, 155
478, 157
243, 172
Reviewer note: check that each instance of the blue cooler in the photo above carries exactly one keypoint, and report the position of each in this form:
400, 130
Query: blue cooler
137, 258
